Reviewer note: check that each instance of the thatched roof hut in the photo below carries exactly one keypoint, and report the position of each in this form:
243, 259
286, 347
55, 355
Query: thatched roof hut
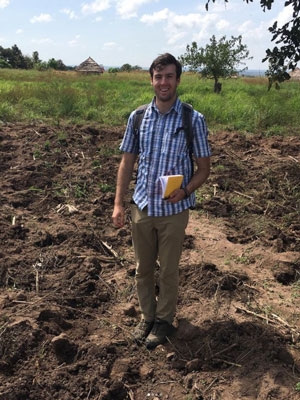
295, 75
89, 66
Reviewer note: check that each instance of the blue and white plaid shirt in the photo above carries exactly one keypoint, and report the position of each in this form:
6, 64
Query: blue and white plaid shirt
163, 150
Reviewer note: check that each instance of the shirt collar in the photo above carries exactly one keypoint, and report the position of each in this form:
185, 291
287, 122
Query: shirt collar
175, 106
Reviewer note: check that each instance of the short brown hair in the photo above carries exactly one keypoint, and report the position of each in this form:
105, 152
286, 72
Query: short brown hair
163, 60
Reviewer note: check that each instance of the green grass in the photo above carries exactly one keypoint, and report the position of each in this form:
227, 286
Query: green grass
244, 104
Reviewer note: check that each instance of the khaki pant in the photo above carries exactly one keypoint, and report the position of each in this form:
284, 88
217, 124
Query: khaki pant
157, 238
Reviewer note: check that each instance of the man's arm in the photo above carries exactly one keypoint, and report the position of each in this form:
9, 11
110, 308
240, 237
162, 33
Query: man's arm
123, 180
200, 176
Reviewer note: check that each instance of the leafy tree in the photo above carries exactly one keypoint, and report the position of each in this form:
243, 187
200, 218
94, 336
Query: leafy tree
4, 63
35, 58
41, 66
60, 65
283, 58
17, 58
29, 62
126, 68
14, 57
219, 59
56, 64
113, 70
276, 75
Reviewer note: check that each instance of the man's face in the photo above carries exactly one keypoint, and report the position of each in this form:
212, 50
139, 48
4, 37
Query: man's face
165, 82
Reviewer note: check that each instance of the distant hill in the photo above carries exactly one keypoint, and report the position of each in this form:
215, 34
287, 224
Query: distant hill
253, 72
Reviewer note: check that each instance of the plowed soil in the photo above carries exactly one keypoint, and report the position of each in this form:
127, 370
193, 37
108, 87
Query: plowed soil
67, 294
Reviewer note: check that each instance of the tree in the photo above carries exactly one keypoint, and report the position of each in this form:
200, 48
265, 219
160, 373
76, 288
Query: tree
28, 62
4, 63
56, 64
18, 60
113, 70
126, 68
14, 57
284, 58
219, 59
35, 57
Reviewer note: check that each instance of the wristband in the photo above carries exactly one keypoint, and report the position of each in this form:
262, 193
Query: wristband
186, 192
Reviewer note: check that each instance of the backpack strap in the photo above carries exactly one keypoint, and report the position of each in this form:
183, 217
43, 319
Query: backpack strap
137, 119
187, 113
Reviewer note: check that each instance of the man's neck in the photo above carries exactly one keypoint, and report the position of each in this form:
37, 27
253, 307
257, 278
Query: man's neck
164, 106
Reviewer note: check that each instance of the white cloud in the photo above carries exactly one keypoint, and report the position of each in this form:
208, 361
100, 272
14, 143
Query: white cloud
95, 6
196, 26
41, 18
252, 32
180, 26
285, 15
222, 24
128, 8
4, 3
74, 42
19, 31
71, 14
109, 45
156, 17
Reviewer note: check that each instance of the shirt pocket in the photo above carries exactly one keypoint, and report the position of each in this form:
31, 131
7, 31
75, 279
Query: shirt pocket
174, 144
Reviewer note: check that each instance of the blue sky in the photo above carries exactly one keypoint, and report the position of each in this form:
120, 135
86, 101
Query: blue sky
115, 32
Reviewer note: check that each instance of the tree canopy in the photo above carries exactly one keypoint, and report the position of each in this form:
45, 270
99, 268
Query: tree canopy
286, 56
219, 59
13, 58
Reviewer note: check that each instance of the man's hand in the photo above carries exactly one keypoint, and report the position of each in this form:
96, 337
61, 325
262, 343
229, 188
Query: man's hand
123, 180
176, 196
118, 216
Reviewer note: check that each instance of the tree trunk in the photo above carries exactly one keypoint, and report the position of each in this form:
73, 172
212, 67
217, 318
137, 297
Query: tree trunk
217, 86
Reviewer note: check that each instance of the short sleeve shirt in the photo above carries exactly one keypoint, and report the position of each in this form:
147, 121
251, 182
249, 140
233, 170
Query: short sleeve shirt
162, 149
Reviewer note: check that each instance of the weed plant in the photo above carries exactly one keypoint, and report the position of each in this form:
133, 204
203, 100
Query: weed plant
244, 104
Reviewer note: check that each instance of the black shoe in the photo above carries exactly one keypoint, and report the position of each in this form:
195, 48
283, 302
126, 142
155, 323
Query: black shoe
142, 330
159, 333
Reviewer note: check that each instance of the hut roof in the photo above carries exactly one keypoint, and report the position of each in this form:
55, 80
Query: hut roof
295, 74
90, 66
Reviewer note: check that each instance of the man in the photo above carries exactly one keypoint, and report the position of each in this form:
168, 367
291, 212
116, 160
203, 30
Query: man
158, 225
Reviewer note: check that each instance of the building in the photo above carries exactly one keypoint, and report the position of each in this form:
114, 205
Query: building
295, 75
89, 66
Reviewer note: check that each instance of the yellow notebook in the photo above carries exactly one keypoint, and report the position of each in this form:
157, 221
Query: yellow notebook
169, 183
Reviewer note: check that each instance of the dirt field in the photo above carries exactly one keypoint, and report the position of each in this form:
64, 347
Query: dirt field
67, 296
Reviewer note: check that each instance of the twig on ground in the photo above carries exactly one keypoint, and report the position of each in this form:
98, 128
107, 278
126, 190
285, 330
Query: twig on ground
244, 195
175, 348
210, 385
228, 362
106, 285
110, 249
224, 350
232, 154
276, 320
294, 159
3, 328
131, 394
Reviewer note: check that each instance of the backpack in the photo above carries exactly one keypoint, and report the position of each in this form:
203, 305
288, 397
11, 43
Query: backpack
187, 111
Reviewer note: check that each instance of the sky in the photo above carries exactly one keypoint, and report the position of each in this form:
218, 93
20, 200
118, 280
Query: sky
118, 32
